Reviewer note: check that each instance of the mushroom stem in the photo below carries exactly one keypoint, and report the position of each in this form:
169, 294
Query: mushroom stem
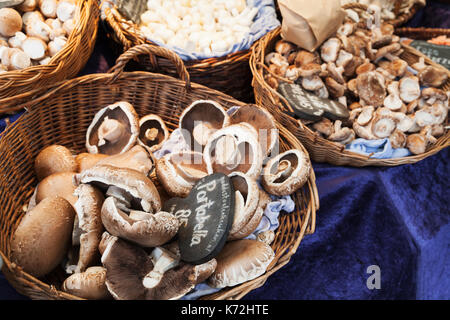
163, 260
284, 170
110, 130
151, 134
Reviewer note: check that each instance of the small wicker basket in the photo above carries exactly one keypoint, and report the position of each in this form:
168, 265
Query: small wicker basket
18, 86
319, 148
62, 115
229, 74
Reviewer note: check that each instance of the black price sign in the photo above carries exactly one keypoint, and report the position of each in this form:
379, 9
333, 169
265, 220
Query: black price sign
438, 53
205, 216
309, 106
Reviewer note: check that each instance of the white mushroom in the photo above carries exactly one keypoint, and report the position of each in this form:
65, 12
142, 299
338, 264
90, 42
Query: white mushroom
17, 40
312, 83
38, 29
35, 48
56, 45
48, 8
65, 10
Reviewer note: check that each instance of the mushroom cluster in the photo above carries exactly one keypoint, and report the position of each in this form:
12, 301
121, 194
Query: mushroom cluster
197, 25
98, 214
34, 31
360, 66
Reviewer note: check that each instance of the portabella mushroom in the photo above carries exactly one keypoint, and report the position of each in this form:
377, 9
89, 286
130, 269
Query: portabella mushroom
179, 171
234, 148
262, 121
88, 226
133, 274
200, 120
153, 132
126, 182
89, 284
57, 184
240, 261
54, 159
113, 130
286, 173
145, 229
247, 200
42, 238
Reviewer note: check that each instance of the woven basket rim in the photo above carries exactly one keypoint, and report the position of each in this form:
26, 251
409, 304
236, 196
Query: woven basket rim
283, 257
67, 62
353, 158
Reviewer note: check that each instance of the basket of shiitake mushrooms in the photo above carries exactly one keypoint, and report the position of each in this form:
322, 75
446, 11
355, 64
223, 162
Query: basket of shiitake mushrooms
136, 185
362, 98
42, 42
213, 38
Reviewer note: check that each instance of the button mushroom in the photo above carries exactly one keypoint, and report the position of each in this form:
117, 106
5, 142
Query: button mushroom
89, 284
132, 274
113, 130
140, 189
42, 238
145, 229
234, 148
178, 172
54, 159
153, 132
10, 22
286, 173
200, 120
240, 261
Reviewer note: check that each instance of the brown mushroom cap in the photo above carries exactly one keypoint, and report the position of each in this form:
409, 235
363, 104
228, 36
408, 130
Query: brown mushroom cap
113, 130
416, 143
140, 188
201, 119
371, 88
89, 284
131, 272
137, 158
304, 57
262, 121
57, 184
42, 238
178, 172
145, 229
241, 261
54, 159
432, 77
86, 160
10, 22
286, 173
153, 132
88, 208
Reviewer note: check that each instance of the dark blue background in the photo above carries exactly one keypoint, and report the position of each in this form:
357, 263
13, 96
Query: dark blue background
396, 218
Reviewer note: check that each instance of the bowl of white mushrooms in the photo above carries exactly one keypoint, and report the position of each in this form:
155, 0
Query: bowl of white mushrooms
213, 38
385, 92
43, 41
136, 185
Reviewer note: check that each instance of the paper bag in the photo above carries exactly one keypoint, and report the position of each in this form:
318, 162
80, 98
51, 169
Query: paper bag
309, 23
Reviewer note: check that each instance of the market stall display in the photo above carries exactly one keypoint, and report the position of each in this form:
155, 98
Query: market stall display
43, 42
104, 113
361, 83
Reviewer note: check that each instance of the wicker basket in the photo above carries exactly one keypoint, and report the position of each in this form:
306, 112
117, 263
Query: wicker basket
422, 33
18, 86
319, 148
62, 115
229, 74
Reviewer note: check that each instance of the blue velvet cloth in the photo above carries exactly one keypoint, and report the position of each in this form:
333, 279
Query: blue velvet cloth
396, 218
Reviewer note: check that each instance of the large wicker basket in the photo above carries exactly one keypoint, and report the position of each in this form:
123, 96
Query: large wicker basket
62, 115
321, 149
20, 85
229, 74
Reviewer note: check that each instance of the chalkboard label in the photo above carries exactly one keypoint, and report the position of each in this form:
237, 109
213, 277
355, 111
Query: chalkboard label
205, 217
309, 106
438, 53
131, 9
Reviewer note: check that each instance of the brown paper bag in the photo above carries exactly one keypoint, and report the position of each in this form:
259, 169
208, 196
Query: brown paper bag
308, 23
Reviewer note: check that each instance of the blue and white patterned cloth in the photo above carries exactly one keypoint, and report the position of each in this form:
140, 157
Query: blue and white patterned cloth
380, 149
